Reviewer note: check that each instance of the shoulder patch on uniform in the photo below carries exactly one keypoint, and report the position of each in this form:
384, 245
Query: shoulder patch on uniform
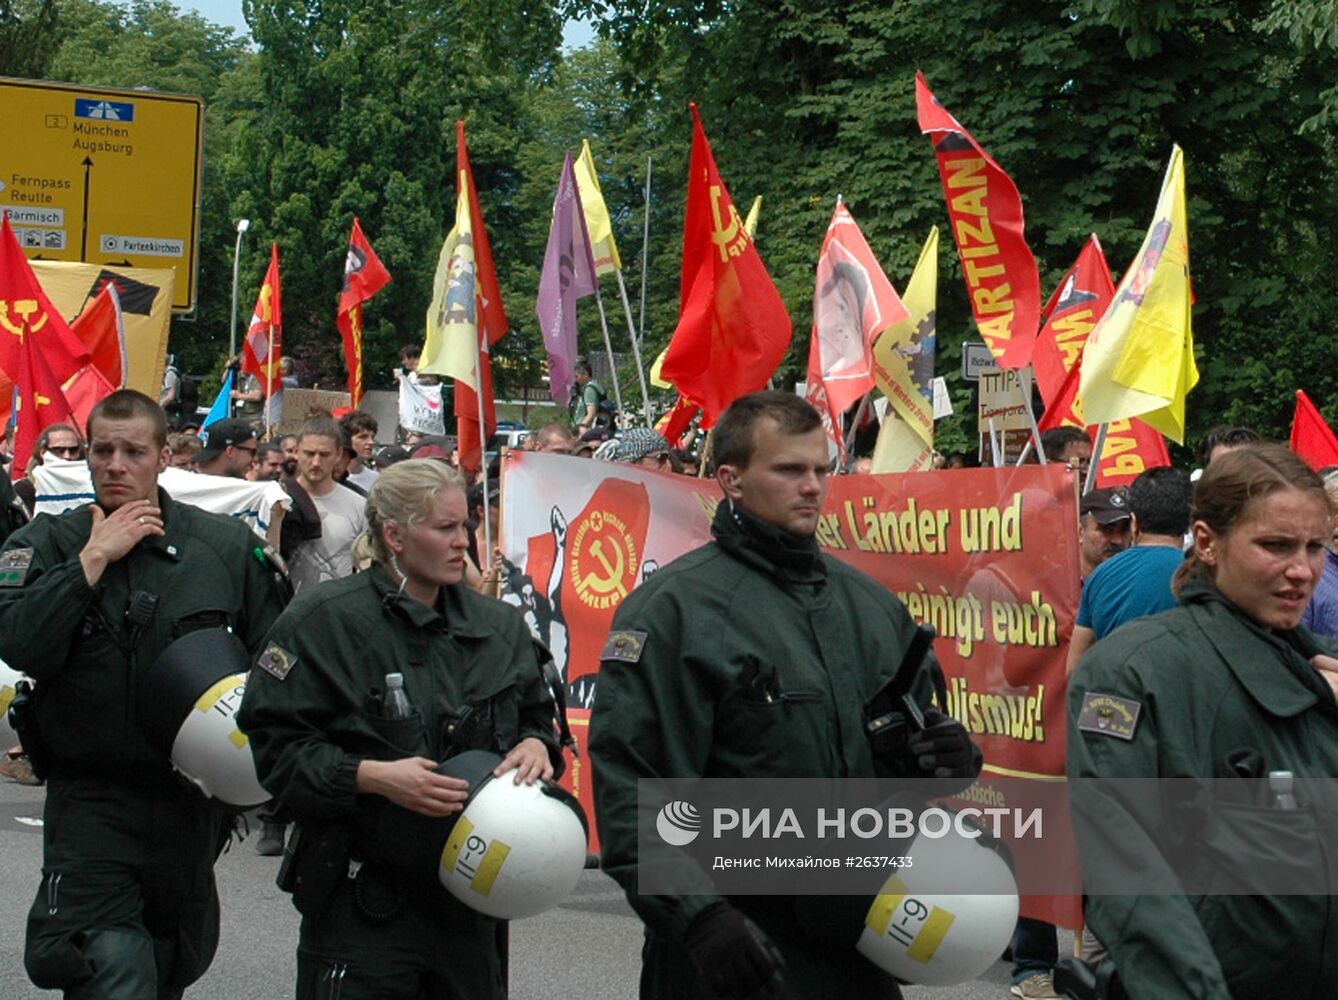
276, 661
1109, 715
14, 566
625, 646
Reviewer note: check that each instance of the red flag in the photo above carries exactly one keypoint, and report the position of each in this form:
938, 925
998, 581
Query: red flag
852, 304
26, 311
492, 324
1312, 438
1132, 447
986, 213
40, 402
263, 348
364, 276
674, 424
85, 391
1073, 311
733, 329
101, 329
1078, 303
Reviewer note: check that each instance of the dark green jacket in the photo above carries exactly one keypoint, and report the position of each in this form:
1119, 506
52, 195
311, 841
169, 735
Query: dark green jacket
717, 615
207, 570
1208, 680
311, 729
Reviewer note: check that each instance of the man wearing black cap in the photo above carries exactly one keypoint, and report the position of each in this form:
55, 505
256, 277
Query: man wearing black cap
229, 448
1104, 526
1137, 581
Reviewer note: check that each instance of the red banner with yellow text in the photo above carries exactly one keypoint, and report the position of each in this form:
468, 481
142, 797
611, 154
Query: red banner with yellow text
971, 552
985, 209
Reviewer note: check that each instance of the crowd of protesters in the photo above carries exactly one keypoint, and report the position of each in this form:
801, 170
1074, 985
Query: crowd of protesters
1132, 543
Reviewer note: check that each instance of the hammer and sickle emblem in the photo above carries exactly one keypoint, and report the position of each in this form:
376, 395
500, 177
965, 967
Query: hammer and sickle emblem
612, 581
23, 308
724, 234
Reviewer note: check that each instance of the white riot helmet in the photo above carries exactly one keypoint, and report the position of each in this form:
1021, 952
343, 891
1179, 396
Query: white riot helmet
516, 850
188, 704
923, 935
9, 679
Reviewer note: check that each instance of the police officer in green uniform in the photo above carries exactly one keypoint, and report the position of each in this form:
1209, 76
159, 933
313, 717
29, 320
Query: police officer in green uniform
330, 745
754, 656
1224, 686
127, 907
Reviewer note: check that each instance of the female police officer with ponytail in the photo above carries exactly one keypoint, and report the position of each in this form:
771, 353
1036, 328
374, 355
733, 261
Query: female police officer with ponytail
329, 745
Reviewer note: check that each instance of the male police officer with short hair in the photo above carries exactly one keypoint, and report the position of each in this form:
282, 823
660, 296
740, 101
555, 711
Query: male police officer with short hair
127, 907
754, 656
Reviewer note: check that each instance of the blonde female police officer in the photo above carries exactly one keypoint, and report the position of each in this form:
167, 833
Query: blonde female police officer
1228, 678
316, 716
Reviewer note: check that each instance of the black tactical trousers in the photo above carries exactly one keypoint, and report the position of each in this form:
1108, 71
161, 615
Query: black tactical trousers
127, 908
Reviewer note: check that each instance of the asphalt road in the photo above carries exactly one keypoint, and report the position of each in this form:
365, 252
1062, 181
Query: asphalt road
589, 947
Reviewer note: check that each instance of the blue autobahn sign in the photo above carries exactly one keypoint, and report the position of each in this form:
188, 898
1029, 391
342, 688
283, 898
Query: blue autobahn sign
111, 111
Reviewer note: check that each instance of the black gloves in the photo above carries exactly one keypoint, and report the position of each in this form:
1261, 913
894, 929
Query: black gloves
733, 955
941, 754
943, 749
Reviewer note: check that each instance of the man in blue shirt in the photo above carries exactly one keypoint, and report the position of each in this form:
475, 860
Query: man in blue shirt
1137, 581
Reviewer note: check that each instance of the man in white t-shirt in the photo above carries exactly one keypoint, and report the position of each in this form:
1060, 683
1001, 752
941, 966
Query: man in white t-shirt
343, 513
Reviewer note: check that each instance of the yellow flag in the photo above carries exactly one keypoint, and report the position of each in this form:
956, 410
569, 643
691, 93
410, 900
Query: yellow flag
750, 223
900, 448
451, 348
596, 213
749, 227
1139, 360
903, 370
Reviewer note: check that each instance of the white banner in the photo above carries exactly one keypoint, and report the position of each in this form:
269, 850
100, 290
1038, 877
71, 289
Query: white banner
62, 485
420, 406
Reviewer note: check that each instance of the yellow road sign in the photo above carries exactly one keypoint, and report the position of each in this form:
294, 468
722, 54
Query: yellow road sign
104, 176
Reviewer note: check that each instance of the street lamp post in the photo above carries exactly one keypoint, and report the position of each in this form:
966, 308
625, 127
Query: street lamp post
242, 226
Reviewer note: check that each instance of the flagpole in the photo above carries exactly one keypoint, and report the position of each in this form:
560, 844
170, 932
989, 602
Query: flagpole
1096, 458
636, 348
854, 427
242, 226
608, 348
485, 559
997, 457
645, 252
1035, 431
269, 383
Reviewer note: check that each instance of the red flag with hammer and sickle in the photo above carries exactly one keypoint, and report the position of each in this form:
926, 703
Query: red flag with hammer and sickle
40, 403
26, 311
733, 329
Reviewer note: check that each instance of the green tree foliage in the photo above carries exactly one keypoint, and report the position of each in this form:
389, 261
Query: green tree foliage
29, 36
347, 107
1079, 102
356, 117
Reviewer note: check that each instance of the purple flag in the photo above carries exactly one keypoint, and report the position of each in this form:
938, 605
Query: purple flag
568, 275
